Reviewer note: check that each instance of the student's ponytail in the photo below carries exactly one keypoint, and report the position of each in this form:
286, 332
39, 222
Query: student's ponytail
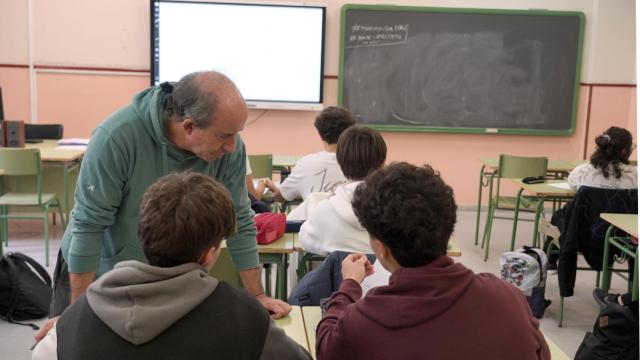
613, 148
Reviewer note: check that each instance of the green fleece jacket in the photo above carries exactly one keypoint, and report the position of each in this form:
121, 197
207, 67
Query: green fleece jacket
127, 153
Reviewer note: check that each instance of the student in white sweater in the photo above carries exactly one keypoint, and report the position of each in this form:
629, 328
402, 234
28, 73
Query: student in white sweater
317, 172
609, 166
332, 225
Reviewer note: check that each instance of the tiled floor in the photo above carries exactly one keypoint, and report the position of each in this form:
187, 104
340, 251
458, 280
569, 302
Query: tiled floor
580, 310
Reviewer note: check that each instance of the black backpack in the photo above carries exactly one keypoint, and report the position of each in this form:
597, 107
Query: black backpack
615, 334
25, 289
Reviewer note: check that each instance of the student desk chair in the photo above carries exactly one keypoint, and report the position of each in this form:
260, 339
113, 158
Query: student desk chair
627, 223
276, 253
558, 169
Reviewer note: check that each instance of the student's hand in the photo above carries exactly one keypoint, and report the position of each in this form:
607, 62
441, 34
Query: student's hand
277, 308
45, 328
260, 189
356, 267
271, 186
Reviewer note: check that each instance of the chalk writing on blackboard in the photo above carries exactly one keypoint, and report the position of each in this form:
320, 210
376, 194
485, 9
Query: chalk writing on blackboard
377, 35
467, 70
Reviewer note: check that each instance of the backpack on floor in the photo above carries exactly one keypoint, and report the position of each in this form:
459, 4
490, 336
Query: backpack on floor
25, 289
526, 268
615, 334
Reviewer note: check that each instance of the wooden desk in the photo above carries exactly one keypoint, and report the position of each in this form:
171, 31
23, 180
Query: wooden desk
66, 159
543, 191
293, 326
305, 258
557, 168
554, 166
313, 315
452, 249
629, 224
556, 353
625, 222
276, 253
281, 162
50, 152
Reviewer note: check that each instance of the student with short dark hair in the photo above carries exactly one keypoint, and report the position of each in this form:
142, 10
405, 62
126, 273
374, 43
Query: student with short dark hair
317, 172
331, 224
432, 308
171, 307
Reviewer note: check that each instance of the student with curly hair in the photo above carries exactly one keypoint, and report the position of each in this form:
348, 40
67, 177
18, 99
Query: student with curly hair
609, 166
317, 172
432, 308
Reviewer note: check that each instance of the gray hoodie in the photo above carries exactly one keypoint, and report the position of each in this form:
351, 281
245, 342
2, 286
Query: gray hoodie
139, 301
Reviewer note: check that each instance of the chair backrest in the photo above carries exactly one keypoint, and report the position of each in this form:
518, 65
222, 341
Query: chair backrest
43, 131
261, 166
518, 167
521, 167
22, 162
225, 270
586, 225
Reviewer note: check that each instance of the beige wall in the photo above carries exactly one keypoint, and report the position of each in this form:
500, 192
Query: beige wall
80, 36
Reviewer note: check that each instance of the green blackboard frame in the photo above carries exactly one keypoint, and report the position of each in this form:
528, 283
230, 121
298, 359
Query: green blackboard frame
468, 130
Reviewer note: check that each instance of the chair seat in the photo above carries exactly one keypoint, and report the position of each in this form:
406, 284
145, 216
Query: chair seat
22, 199
509, 203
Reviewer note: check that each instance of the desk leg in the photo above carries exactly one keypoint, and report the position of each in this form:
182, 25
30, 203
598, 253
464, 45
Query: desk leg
539, 211
281, 261
267, 279
634, 287
281, 281
480, 186
516, 213
606, 277
66, 193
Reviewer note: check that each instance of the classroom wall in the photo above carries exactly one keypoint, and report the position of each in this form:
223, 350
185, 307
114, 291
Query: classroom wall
90, 57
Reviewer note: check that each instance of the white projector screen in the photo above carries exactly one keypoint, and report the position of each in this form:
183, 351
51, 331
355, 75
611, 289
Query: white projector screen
274, 53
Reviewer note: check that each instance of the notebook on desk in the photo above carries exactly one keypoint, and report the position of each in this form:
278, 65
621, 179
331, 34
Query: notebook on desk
74, 141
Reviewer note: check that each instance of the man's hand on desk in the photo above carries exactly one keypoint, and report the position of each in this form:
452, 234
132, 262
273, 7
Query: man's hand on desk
277, 308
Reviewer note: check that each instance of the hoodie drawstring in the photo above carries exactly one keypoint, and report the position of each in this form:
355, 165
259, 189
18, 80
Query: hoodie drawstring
165, 160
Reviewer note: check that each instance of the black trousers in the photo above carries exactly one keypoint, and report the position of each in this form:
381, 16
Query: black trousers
61, 298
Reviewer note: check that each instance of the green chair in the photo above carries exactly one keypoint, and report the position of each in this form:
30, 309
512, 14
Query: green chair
305, 263
628, 250
517, 167
261, 166
554, 248
25, 163
224, 269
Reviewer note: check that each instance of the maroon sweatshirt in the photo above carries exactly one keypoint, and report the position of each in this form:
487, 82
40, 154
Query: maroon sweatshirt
438, 311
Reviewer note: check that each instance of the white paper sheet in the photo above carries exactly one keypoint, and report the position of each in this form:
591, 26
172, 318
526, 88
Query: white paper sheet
562, 185
71, 147
74, 141
380, 277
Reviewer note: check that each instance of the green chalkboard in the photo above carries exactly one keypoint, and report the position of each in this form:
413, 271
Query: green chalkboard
461, 70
